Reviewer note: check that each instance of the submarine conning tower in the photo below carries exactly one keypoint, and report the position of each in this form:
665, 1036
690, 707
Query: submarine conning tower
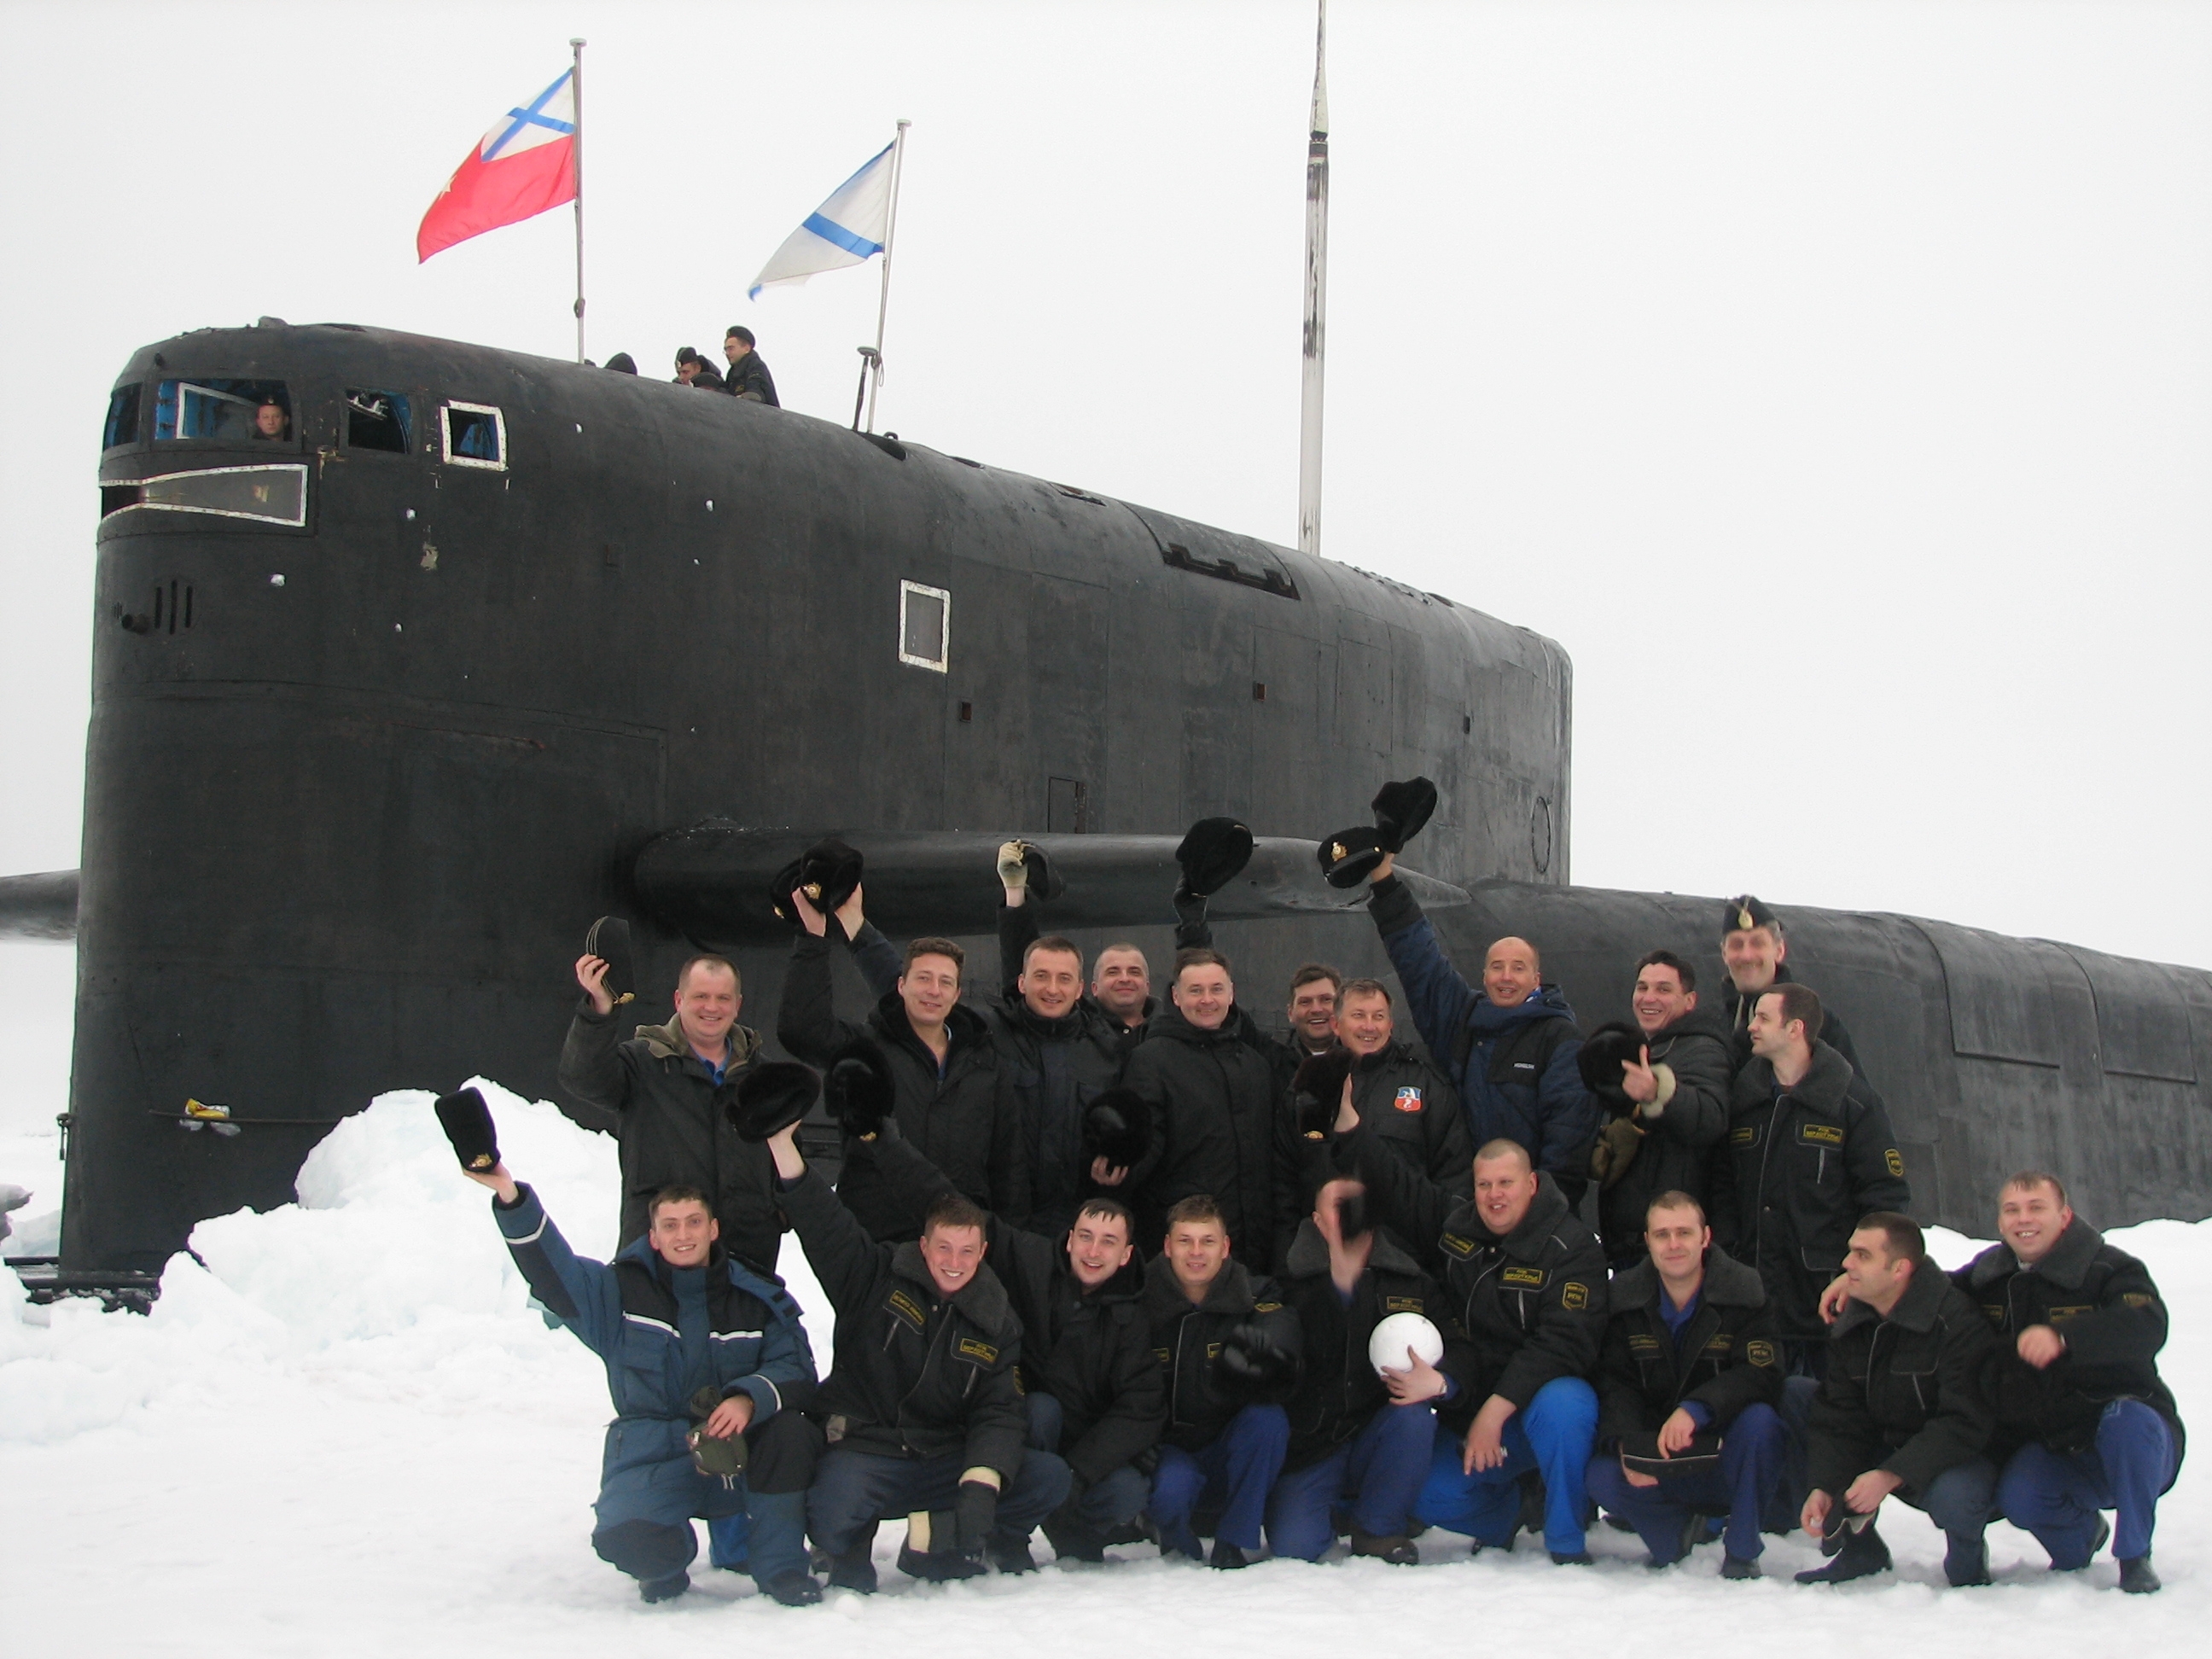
404, 649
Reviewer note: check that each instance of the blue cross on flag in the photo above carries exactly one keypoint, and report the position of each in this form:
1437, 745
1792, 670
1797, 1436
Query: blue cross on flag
847, 229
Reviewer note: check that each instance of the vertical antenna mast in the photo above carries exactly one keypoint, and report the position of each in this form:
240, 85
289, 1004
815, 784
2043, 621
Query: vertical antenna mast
875, 359
1310, 387
576, 92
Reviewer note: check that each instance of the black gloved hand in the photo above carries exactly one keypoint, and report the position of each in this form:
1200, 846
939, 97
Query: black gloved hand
1317, 1090
974, 1512
1189, 906
1251, 1370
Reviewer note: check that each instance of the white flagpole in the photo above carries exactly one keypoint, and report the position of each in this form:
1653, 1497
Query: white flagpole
576, 93
884, 301
1309, 385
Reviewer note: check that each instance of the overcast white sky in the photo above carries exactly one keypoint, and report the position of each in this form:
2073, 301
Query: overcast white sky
1829, 379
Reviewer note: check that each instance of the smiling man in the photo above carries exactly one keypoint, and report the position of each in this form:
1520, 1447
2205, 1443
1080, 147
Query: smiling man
922, 1408
954, 1099
710, 1372
2089, 1423
1215, 1095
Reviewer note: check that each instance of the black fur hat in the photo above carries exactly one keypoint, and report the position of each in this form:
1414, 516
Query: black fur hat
1349, 857
858, 1089
1213, 852
609, 941
827, 873
467, 1123
772, 1095
1118, 1127
1604, 1052
1317, 1090
1400, 810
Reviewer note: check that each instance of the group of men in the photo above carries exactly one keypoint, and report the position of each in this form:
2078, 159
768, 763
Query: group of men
1750, 1336
746, 376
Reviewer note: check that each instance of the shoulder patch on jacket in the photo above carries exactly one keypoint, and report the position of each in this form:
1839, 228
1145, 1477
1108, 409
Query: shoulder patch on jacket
1166, 1356
1894, 1161
2138, 1299
1266, 1307
1746, 1136
906, 1307
1403, 1304
1759, 1352
1574, 1295
2072, 1310
1407, 1099
1527, 1278
969, 1348
1461, 1248
1996, 1313
1820, 1134
1639, 1342
1721, 1342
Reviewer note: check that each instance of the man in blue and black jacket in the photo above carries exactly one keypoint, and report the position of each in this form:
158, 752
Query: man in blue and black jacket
710, 1372
1509, 1047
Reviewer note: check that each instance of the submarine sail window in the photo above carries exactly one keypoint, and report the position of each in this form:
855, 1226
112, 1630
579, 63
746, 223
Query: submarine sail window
269, 494
226, 410
475, 435
377, 420
122, 426
925, 625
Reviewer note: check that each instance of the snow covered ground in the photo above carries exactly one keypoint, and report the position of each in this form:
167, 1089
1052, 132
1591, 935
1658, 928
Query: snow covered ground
349, 1434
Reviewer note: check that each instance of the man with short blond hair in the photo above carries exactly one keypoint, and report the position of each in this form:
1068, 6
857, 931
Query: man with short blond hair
2085, 1423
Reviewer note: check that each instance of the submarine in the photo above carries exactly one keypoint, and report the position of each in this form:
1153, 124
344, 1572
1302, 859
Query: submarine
411, 656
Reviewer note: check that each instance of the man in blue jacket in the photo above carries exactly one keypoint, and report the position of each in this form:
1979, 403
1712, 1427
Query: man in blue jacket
1508, 1049
709, 1369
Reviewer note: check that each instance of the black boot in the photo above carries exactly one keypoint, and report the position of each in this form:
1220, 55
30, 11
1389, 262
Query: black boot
1966, 1564
2104, 1537
1739, 1566
2136, 1577
1009, 1553
1227, 1557
663, 1589
855, 1569
1072, 1541
1397, 1552
1862, 1556
793, 1588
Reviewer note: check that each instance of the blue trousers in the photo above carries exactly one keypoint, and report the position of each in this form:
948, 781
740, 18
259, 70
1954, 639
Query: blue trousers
1377, 1473
2056, 1496
1235, 1472
854, 1491
1751, 1467
1554, 1435
1112, 1500
1959, 1501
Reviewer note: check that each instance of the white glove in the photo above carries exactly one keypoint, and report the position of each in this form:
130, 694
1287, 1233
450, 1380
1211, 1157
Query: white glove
1013, 868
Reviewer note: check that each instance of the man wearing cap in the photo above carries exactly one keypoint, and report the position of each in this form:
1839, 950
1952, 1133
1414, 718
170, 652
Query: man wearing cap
1361, 1439
695, 371
270, 421
663, 1094
748, 377
1753, 949
1810, 1151
711, 1374
1215, 1095
2084, 1422
1508, 1049
1687, 1382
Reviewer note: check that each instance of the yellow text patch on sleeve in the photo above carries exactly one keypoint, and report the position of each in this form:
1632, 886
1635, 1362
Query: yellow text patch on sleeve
1894, 1161
1574, 1295
970, 1348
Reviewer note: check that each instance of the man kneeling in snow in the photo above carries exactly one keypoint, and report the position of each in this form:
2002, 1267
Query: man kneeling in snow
688, 1336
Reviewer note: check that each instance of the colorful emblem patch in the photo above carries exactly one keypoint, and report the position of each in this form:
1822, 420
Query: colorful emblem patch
1407, 1099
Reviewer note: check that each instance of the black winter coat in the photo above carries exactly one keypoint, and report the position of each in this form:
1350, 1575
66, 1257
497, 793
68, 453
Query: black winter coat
1185, 1339
667, 1112
1339, 1390
1908, 1394
914, 1375
2102, 1301
965, 1121
1090, 1349
749, 378
1215, 1102
1055, 1068
1532, 1302
1730, 1355
1407, 1108
1805, 1168
1683, 1130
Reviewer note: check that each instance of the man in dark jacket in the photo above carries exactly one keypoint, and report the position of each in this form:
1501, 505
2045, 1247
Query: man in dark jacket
1094, 1390
1227, 1348
955, 1102
1508, 1049
1361, 1440
695, 371
1691, 1370
1403, 1099
1059, 1054
1526, 1281
1668, 1139
665, 1091
701, 1352
1215, 1095
1903, 1409
748, 377
1120, 978
1753, 949
1810, 1151
2080, 1407
922, 1410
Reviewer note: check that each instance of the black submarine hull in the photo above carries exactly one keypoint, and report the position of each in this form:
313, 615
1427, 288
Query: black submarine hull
371, 746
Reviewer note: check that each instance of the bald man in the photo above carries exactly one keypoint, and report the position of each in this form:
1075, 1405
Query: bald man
1508, 1049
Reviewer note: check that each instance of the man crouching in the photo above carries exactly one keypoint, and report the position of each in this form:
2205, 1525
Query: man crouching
710, 1372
